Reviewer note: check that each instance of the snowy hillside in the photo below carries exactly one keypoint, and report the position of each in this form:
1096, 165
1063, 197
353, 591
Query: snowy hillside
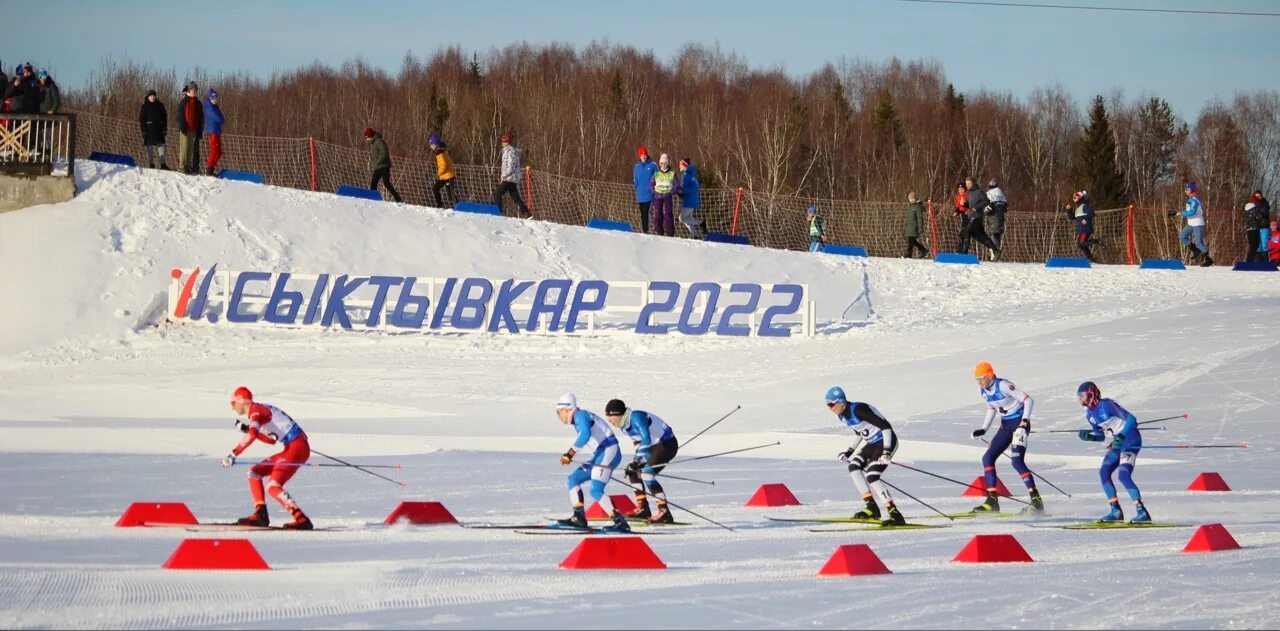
105, 404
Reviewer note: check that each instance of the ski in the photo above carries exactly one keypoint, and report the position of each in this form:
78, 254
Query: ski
824, 520
487, 526
233, 527
969, 515
562, 530
635, 523
882, 527
1110, 525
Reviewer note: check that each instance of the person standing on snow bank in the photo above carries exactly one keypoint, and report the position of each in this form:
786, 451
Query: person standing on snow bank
444, 173
509, 176
690, 198
1193, 211
914, 227
154, 121
1014, 408
190, 125
642, 174
270, 424
656, 445
1107, 418
590, 478
213, 120
869, 458
1081, 212
665, 185
1256, 220
817, 229
380, 162
995, 214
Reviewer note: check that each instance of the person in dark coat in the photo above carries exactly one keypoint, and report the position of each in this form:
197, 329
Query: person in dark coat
191, 124
978, 203
1081, 212
380, 162
1256, 218
50, 95
1264, 234
154, 121
30, 91
914, 226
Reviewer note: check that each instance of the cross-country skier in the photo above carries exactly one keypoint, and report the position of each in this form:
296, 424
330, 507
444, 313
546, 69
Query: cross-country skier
1107, 418
270, 425
871, 456
1013, 406
591, 477
656, 445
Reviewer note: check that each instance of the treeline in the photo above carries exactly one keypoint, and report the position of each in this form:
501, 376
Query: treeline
852, 130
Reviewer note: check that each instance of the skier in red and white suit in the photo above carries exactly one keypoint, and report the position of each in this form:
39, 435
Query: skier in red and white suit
270, 425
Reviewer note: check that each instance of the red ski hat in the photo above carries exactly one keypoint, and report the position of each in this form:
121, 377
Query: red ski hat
368, 132
642, 152
242, 394
507, 137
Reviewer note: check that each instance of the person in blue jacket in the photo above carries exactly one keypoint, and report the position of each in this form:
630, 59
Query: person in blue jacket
690, 198
1107, 419
1192, 235
590, 477
642, 174
656, 445
213, 120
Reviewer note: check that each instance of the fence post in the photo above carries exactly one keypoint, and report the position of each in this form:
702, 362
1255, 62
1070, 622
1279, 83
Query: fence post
933, 228
1131, 243
737, 206
311, 146
528, 187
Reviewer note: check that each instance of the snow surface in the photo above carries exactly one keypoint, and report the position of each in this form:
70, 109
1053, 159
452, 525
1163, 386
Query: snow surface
103, 406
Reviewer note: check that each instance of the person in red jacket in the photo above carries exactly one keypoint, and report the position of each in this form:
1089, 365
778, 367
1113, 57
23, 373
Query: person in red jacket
191, 124
271, 425
1273, 244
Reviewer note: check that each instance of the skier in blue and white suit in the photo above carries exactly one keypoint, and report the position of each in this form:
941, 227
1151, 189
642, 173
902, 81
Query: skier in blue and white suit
591, 477
1108, 418
1013, 407
656, 445
871, 456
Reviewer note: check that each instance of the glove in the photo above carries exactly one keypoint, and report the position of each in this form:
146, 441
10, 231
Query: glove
845, 455
1085, 435
1117, 442
243, 427
978, 433
884, 460
568, 456
635, 466
228, 461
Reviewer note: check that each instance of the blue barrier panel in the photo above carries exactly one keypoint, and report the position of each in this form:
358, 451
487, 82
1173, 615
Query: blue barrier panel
845, 250
360, 192
605, 224
1173, 264
475, 207
956, 258
720, 237
242, 176
1068, 261
1254, 266
113, 158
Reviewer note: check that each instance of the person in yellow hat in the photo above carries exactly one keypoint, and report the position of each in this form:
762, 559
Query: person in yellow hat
1013, 406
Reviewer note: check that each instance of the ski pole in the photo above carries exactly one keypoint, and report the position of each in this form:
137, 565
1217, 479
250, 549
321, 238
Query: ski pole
681, 508
1240, 446
1042, 478
359, 468
676, 477
725, 453
1076, 431
319, 464
955, 481
695, 436
661, 473
918, 500
1167, 418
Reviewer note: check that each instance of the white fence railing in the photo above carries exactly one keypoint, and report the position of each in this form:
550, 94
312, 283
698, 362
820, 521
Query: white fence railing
37, 144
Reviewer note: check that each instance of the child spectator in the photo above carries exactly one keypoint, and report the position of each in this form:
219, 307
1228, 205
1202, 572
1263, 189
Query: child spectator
690, 198
444, 172
213, 120
817, 230
665, 186
154, 121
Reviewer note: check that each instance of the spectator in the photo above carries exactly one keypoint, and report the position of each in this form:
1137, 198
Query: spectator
30, 90
1264, 234
1273, 244
1193, 211
51, 100
13, 95
213, 121
978, 203
380, 162
817, 230
444, 172
1081, 212
995, 213
915, 224
190, 125
1255, 218
509, 176
154, 121
961, 210
642, 174
665, 186
690, 198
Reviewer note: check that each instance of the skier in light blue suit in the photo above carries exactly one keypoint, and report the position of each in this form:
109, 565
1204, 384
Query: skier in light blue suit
1192, 234
656, 445
1105, 416
589, 478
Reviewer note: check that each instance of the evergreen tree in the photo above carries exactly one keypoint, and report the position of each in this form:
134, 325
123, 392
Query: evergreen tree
889, 133
1096, 169
954, 105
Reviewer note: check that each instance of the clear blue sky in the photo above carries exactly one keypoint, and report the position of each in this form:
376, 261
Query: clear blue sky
1187, 59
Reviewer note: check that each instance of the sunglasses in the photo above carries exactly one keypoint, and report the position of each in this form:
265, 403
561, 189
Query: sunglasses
832, 404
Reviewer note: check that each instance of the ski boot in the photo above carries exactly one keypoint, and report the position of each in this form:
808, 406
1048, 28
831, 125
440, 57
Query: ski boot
1116, 515
1207, 262
663, 516
992, 505
869, 512
1036, 509
1143, 517
642, 510
300, 521
619, 523
577, 520
258, 518
893, 518
999, 254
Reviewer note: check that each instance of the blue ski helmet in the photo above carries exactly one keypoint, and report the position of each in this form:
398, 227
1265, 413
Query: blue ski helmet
1089, 394
836, 395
